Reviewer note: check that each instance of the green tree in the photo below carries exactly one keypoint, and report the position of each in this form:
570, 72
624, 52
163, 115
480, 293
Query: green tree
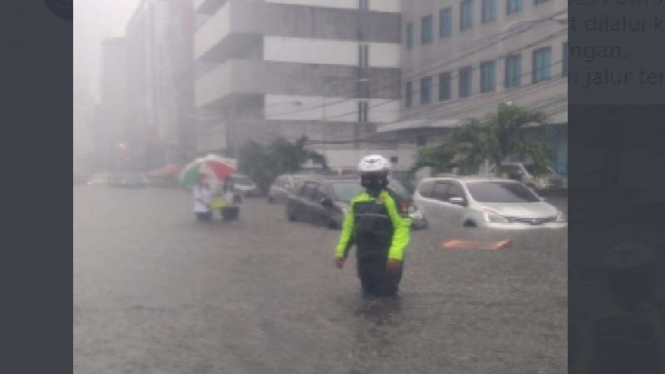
500, 135
505, 135
439, 157
263, 163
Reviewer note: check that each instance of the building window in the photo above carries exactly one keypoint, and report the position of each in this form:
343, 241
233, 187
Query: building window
489, 11
446, 22
466, 14
542, 64
425, 90
409, 36
363, 4
363, 112
444, 86
488, 76
465, 82
565, 59
536, 2
513, 76
408, 94
513, 6
363, 55
426, 24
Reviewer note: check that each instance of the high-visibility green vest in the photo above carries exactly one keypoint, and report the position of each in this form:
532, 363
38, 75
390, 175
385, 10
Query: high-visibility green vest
377, 225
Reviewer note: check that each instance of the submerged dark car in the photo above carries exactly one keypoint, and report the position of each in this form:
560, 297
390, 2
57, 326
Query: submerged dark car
282, 187
324, 200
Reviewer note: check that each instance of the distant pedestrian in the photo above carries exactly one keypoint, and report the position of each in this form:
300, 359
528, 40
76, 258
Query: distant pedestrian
229, 191
202, 193
229, 200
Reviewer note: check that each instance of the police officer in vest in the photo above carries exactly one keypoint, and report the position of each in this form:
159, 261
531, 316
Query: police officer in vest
379, 226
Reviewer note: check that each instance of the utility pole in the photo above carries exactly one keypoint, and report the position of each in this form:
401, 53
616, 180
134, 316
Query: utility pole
323, 107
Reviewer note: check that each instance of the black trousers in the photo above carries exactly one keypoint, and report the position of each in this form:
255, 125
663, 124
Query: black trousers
373, 276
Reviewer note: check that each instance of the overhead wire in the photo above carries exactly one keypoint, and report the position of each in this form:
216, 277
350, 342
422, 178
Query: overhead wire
434, 85
515, 95
398, 81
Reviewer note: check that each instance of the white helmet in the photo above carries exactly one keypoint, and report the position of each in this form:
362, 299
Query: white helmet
374, 163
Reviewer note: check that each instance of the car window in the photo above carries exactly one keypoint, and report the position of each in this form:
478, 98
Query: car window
399, 188
241, 179
456, 190
321, 193
281, 181
501, 192
425, 189
531, 168
509, 169
307, 190
440, 191
346, 191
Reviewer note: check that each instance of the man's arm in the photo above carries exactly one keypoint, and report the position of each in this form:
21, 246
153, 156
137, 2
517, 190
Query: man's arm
346, 239
398, 210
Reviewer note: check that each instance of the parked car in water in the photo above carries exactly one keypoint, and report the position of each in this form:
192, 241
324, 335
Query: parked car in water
282, 187
324, 200
484, 202
526, 173
405, 189
101, 179
245, 185
129, 180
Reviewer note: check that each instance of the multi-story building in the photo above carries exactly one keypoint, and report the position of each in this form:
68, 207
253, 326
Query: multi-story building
460, 59
160, 80
291, 68
109, 125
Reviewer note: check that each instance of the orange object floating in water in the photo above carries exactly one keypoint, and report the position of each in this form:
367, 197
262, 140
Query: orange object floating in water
474, 244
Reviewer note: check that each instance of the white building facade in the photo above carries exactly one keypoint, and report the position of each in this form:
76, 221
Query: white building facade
292, 68
461, 59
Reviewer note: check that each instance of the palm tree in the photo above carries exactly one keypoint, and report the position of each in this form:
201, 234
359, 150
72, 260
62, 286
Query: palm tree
506, 130
440, 158
498, 136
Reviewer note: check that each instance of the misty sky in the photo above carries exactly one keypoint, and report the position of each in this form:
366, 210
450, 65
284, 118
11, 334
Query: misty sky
95, 20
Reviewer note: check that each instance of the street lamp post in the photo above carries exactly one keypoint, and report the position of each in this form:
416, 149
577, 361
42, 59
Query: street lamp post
323, 108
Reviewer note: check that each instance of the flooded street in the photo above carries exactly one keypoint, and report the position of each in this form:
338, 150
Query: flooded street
157, 292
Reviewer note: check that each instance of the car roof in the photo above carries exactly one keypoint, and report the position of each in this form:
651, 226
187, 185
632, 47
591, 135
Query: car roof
470, 179
328, 178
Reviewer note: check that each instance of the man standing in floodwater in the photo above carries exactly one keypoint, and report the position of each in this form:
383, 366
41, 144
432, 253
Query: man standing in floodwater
379, 225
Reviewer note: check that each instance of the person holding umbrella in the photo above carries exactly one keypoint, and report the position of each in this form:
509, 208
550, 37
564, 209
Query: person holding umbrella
202, 193
195, 175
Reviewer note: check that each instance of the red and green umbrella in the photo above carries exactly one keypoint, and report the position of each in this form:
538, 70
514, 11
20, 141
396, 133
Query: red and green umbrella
211, 165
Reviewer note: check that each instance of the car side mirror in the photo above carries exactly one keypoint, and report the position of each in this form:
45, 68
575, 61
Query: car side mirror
457, 201
327, 202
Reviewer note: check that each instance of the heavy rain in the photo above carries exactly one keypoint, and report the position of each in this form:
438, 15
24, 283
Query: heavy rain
320, 186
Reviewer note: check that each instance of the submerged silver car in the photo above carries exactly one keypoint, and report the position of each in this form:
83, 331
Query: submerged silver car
484, 202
